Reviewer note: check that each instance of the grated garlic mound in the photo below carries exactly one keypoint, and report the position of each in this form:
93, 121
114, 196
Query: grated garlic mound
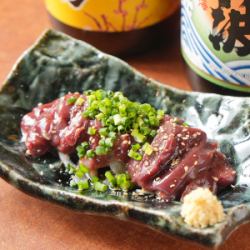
201, 208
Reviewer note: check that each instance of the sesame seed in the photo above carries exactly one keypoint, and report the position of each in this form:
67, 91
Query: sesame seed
186, 168
175, 162
215, 178
172, 185
195, 163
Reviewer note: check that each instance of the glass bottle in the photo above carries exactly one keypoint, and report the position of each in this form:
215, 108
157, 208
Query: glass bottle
114, 26
215, 44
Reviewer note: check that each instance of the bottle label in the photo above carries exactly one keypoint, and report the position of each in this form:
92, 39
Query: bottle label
215, 41
110, 15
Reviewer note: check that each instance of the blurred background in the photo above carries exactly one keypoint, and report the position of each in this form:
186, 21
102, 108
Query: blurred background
28, 223
23, 23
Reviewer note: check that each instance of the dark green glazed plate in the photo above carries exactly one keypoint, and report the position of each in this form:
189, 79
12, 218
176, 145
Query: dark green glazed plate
57, 64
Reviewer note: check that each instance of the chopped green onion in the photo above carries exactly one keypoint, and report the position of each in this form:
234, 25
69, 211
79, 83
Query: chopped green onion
110, 177
90, 154
135, 155
91, 131
112, 135
136, 147
79, 101
153, 133
81, 170
147, 148
122, 109
160, 114
84, 169
120, 128
98, 186
145, 130
71, 100
102, 142
79, 174
83, 185
81, 149
118, 119
119, 115
99, 116
103, 131
153, 121
138, 136
94, 179
111, 128
109, 142
87, 114
104, 109
70, 168
123, 181
120, 178
101, 150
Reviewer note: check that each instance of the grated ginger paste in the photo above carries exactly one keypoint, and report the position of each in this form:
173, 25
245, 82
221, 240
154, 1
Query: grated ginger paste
201, 208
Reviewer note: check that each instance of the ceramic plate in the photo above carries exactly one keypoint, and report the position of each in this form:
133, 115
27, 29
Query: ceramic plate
57, 64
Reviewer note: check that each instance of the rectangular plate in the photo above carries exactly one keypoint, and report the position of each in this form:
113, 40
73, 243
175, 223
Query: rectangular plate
57, 64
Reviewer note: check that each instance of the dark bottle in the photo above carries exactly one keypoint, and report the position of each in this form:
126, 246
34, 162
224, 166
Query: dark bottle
215, 43
117, 27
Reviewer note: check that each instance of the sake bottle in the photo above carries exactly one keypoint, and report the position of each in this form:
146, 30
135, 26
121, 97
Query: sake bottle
215, 44
114, 26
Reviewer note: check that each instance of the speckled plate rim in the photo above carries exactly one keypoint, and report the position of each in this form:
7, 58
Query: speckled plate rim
124, 210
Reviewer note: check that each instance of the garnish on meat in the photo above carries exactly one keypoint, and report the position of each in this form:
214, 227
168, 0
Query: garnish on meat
201, 208
141, 145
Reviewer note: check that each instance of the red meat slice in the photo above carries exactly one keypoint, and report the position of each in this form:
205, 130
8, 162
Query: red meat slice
119, 152
203, 179
222, 172
56, 124
197, 160
171, 142
182, 160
